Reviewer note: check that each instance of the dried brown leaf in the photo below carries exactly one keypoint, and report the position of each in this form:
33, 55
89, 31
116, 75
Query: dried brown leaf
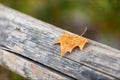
69, 42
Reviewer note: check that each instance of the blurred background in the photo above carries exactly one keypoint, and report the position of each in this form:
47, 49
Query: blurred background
101, 17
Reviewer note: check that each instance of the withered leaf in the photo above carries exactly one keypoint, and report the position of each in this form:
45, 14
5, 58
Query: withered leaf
69, 42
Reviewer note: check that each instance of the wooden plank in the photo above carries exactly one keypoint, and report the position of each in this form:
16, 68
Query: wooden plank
35, 39
28, 69
84, 73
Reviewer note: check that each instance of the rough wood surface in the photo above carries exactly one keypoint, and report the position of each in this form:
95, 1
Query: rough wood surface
29, 38
28, 69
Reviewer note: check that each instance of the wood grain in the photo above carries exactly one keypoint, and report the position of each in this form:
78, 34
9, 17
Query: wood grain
35, 39
28, 69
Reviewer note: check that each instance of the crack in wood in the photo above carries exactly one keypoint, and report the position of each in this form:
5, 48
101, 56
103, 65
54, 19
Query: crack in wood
35, 62
87, 65
51, 69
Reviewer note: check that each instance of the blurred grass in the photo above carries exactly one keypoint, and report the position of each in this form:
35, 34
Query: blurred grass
104, 14
8, 75
16, 77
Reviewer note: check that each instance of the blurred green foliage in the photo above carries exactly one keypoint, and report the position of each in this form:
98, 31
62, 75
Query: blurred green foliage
105, 14
5, 74
15, 76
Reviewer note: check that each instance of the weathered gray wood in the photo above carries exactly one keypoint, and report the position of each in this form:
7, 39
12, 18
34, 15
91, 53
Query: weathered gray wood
35, 39
28, 69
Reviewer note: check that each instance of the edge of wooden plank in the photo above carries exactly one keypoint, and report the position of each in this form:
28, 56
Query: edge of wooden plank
28, 69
